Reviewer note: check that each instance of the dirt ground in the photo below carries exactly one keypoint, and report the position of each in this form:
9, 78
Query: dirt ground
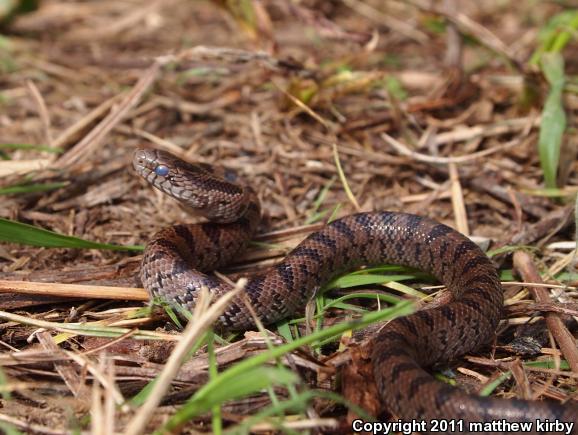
431, 108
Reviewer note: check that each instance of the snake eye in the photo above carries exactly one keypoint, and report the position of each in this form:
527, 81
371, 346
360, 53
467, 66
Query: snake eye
162, 170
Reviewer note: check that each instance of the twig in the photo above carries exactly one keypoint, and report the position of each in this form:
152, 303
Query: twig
112, 29
96, 372
525, 266
200, 322
34, 428
398, 26
92, 140
454, 46
85, 121
73, 290
42, 111
65, 369
467, 25
458, 201
404, 150
298, 425
524, 125
537, 284
11, 167
91, 330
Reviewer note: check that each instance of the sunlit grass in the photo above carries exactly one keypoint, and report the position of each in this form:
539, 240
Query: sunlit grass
18, 232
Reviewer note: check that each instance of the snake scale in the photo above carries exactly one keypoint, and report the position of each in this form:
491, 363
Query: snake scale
175, 256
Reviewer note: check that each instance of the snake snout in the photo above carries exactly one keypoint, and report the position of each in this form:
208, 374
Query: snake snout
143, 159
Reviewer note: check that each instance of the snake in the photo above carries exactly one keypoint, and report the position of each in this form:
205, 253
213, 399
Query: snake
180, 260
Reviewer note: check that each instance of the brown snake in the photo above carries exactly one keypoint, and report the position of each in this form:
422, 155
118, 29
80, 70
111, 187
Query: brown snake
174, 257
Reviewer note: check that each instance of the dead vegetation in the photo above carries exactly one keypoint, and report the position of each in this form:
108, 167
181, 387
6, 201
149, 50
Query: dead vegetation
328, 108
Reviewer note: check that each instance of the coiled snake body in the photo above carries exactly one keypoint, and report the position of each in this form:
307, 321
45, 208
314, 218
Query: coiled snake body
175, 256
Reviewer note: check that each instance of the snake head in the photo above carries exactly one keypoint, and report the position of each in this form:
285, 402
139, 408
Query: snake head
175, 177
150, 164
195, 185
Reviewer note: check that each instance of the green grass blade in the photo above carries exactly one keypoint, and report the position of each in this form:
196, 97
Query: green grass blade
216, 420
556, 34
316, 217
566, 192
18, 232
334, 213
315, 214
348, 281
343, 178
364, 295
298, 403
8, 429
509, 248
252, 381
331, 303
489, 389
573, 269
4, 392
553, 121
143, 394
506, 275
30, 147
386, 268
405, 289
31, 188
238, 372
284, 330
547, 364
